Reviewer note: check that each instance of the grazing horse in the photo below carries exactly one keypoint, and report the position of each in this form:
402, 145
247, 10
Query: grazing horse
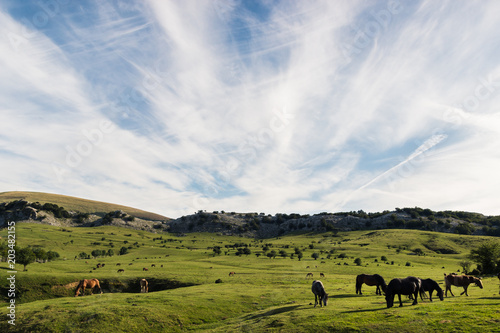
321, 275
144, 269
153, 265
231, 273
121, 270
430, 285
370, 280
91, 284
319, 292
460, 281
309, 275
408, 286
144, 285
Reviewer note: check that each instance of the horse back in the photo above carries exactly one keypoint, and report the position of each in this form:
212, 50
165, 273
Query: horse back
318, 288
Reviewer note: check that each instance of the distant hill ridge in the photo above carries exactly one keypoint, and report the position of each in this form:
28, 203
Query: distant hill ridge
78, 204
69, 211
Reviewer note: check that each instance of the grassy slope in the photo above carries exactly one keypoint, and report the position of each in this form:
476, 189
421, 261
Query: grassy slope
264, 295
78, 204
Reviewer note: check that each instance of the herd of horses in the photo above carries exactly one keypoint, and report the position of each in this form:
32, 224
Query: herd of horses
410, 286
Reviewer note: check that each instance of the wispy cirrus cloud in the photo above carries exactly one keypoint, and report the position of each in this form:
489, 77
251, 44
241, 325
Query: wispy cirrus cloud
273, 107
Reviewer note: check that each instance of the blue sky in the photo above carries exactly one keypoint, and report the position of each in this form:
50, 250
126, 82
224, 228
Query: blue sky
270, 106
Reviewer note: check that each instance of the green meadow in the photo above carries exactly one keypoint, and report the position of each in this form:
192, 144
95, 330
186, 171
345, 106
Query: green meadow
265, 294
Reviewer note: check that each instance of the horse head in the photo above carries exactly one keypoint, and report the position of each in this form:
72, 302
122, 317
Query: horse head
325, 299
478, 282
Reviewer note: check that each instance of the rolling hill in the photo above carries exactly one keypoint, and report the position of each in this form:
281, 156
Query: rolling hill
78, 204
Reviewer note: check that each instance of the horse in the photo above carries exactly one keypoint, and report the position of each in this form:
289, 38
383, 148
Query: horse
309, 275
370, 280
430, 285
153, 265
91, 284
144, 285
144, 269
231, 273
321, 275
460, 281
407, 286
121, 270
319, 292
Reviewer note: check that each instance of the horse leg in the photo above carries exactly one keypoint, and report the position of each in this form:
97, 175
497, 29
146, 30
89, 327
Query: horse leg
400, 302
465, 291
377, 291
415, 296
315, 300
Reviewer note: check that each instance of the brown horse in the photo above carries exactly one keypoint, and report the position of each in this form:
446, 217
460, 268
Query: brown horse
321, 275
91, 284
309, 275
144, 269
144, 286
460, 281
121, 270
231, 273
370, 280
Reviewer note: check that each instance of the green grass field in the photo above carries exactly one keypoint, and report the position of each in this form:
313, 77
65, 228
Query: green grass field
265, 295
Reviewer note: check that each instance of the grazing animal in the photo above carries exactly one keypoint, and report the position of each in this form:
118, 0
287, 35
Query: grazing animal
144, 269
161, 266
144, 285
121, 270
309, 275
319, 292
407, 286
460, 281
430, 285
231, 273
321, 275
118, 264
153, 265
98, 265
91, 284
371, 280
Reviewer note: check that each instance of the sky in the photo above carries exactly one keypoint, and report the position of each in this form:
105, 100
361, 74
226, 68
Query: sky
253, 106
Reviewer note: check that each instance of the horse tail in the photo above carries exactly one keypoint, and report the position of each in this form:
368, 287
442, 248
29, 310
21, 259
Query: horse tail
359, 282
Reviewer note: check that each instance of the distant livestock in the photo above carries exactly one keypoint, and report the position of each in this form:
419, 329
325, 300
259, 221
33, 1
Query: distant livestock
144, 269
121, 270
91, 284
321, 275
231, 273
144, 285
309, 275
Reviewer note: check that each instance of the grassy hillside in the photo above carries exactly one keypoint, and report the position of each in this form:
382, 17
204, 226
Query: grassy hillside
78, 204
265, 295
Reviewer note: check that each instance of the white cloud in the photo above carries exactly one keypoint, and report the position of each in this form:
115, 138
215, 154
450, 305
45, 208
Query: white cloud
295, 106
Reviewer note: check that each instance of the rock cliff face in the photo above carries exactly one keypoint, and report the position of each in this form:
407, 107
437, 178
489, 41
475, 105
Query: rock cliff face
258, 225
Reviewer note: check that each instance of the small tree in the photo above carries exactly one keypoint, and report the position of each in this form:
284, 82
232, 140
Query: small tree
123, 250
357, 261
315, 255
25, 256
300, 255
383, 258
486, 256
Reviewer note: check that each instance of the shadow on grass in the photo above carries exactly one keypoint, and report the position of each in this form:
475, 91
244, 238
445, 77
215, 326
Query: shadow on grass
274, 311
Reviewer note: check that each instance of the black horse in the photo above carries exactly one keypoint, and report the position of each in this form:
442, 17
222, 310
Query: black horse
430, 285
370, 280
408, 286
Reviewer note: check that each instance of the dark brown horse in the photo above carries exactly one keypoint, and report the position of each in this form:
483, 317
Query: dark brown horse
91, 284
430, 285
231, 273
370, 280
309, 275
460, 281
408, 286
319, 292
